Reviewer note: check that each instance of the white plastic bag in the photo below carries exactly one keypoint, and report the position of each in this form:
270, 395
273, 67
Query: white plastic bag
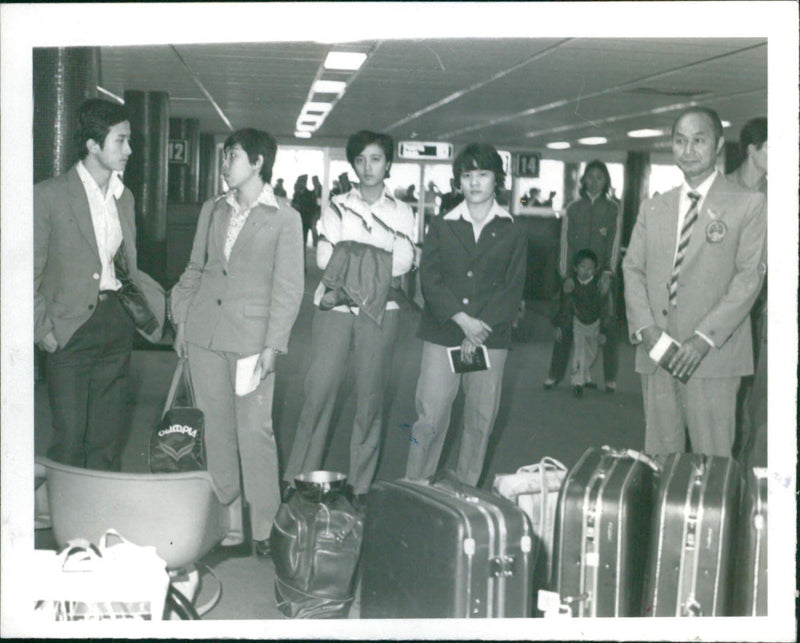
108, 582
534, 488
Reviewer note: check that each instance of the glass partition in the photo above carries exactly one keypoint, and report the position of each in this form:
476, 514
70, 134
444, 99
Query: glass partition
540, 196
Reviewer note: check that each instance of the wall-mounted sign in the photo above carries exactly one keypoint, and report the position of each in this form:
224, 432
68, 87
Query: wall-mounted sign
418, 151
528, 165
177, 151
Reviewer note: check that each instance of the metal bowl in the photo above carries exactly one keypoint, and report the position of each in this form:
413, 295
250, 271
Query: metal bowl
320, 486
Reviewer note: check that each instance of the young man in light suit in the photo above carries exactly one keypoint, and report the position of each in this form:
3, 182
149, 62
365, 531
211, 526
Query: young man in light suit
82, 220
704, 301
238, 297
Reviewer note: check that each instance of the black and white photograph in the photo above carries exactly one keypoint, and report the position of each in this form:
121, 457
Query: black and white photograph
434, 320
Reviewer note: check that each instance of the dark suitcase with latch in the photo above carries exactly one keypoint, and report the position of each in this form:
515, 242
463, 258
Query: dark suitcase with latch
750, 578
442, 549
602, 522
689, 565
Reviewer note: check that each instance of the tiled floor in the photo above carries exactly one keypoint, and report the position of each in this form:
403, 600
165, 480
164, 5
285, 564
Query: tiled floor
532, 423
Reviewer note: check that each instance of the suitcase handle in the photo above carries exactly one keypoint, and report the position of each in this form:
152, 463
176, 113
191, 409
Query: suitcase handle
635, 455
446, 479
547, 463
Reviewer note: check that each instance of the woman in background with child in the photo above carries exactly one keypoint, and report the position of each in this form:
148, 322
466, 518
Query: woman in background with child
593, 222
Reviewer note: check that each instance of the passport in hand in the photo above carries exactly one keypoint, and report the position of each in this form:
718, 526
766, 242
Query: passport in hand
662, 353
479, 361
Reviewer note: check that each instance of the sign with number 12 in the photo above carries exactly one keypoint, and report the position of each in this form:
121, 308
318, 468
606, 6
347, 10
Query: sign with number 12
177, 151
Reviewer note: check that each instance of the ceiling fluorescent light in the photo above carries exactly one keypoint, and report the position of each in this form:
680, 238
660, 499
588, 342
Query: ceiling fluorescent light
316, 108
104, 91
593, 140
305, 127
344, 60
645, 133
302, 134
726, 123
558, 145
329, 87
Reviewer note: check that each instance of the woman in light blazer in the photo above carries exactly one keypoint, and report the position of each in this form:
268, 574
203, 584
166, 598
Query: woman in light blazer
238, 297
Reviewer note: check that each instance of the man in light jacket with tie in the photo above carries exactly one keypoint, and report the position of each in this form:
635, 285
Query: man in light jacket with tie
692, 270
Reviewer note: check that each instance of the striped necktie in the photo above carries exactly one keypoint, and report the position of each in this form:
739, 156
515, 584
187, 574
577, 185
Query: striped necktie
686, 234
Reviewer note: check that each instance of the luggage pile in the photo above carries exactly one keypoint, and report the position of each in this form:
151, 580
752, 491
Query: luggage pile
620, 534
635, 538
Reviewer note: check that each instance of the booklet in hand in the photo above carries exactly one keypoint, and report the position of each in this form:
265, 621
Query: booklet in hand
479, 361
248, 377
663, 351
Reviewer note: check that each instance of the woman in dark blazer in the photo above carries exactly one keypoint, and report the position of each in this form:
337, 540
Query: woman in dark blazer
472, 274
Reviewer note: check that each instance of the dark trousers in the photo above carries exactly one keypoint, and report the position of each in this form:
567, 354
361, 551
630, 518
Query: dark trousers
558, 362
87, 383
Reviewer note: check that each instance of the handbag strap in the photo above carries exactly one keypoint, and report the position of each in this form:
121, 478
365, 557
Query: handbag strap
181, 374
187, 378
545, 465
78, 555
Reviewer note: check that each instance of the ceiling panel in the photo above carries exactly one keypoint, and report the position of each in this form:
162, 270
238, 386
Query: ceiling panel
496, 90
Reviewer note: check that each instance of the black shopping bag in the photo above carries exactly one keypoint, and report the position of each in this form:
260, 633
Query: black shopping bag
176, 444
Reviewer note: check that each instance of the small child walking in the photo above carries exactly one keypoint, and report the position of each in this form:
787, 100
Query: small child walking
584, 312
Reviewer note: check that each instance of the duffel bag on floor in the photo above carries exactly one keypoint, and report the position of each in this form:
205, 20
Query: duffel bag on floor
316, 543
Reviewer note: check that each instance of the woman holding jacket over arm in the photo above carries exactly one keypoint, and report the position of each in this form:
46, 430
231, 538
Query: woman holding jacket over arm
238, 297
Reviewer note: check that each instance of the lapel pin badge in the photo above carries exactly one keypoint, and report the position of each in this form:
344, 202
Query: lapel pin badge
716, 230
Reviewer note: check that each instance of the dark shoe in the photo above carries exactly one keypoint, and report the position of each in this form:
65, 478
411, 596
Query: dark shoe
240, 550
577, 391
549, 385
263, 549
591, 385
611, 387
359, 502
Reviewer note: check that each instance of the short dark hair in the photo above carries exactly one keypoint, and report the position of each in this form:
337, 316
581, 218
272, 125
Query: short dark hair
596, 164
255, 142
480, 156
754, 132
358, 141
584, 254
96, 117
716, 122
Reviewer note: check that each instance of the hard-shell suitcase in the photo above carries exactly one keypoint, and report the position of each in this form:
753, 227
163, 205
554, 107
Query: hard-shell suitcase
602, 524
442, 549
750, 577
693, 529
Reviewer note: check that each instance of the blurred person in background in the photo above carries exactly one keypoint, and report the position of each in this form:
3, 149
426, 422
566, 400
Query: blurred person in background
752, 399
593, 221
